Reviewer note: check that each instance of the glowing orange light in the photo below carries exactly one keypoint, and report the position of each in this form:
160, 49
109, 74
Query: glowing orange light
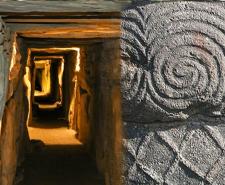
13, 59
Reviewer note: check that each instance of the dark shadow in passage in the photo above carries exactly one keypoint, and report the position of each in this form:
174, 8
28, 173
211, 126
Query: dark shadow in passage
61, 165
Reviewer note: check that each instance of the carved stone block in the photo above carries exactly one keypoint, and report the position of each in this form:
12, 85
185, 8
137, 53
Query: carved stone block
191, 153
173, 61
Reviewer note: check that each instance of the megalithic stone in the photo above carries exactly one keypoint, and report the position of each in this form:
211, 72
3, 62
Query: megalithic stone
5, 49
5, 57
173, 59
173, 87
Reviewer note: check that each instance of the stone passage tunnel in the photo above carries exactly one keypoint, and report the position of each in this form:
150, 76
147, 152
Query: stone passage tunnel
60, 86
61, 118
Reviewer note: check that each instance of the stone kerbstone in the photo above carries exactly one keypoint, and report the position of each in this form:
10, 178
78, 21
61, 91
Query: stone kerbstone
182, 175
173, 62
152, 155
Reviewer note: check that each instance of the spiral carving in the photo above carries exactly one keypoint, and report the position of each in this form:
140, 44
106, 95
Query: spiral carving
173, 57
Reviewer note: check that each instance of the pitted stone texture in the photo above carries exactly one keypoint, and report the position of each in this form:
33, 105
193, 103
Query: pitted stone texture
173, 64
175, 136
201, 151
182, 175
5, 50
160, 159
196, 157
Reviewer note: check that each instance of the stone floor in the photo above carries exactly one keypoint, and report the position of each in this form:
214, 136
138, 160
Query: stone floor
59, 160
52, 132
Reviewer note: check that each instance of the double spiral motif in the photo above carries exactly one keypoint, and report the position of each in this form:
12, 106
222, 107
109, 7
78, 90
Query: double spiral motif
176, 53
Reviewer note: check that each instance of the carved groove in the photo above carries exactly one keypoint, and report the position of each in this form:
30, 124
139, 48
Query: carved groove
169, 156
179, 53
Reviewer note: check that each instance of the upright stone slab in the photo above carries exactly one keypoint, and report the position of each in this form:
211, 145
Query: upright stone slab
4, 63
5, 57
173, 89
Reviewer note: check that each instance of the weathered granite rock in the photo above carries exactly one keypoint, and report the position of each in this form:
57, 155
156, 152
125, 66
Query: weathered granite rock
173, 60
190, 153
173, 75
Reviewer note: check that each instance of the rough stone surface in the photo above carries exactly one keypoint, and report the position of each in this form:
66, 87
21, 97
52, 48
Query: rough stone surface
107, 116
173, 60
152, 155
14, 131
4, 63
173, 93
59, 7
5, 56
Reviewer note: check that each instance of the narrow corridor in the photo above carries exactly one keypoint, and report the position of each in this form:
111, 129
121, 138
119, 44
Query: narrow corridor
57, 158
69, 64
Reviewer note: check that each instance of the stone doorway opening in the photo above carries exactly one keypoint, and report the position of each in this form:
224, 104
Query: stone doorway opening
63, 106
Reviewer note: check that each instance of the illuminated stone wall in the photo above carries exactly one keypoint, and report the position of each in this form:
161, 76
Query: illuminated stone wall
14, 132
68, 28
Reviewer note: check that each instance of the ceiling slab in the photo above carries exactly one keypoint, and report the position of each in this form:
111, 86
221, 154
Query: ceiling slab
61, 7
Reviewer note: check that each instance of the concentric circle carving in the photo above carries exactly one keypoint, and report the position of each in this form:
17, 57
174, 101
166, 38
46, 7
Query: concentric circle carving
173, 57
